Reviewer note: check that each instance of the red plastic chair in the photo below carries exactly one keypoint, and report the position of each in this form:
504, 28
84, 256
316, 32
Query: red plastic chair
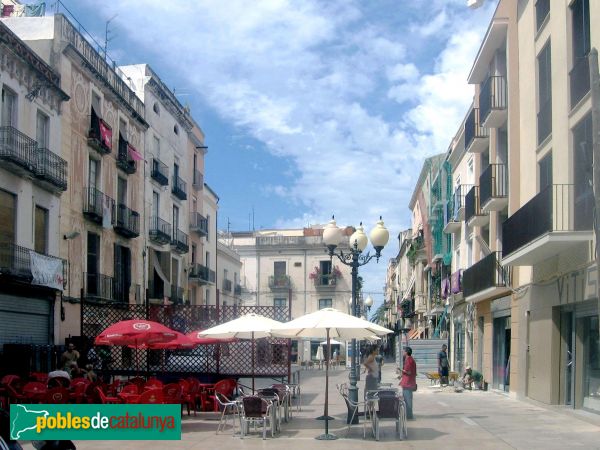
172, 394
130, 389
150, 397
39, 376
113, 388
35, 391
139, 382
224, 387
105, 399
9, 379
77, 394
153, 383
57, 395
15, 396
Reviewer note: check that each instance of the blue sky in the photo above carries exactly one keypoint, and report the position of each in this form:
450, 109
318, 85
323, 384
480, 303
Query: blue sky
309, 107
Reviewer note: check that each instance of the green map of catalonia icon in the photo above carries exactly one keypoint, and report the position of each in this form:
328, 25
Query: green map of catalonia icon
25, 419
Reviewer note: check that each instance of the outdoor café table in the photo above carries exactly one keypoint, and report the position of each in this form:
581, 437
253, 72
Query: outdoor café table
372, 399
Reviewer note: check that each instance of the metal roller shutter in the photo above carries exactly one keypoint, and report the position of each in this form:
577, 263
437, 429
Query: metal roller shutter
24, 320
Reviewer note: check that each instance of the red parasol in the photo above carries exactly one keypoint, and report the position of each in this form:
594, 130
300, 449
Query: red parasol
135, 333
181, 342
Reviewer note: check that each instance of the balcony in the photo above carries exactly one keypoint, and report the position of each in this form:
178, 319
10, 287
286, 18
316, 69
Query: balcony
199, 224
15, 264
124, 160
237, 290
98, 287
97, 205
579, 79
198, 181
159, 172
128, 222
50, 171
553, 221
486, 279
325, 281
17, 151
202, 274
280, 282
179, 188
177, 295
492, 102
160, 231
476, 137
474, 216
179, 242
99, 135
451, 225
493, 188
227, 285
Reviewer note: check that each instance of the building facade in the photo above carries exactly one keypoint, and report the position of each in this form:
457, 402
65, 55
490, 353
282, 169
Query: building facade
229, 266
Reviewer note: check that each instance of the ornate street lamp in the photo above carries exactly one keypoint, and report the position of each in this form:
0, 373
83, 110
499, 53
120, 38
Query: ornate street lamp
332, 236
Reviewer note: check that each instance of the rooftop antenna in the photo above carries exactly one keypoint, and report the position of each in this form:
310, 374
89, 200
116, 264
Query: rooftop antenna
106, 34
253, 229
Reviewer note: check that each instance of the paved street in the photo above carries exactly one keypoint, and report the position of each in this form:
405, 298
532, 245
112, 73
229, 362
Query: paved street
444, 419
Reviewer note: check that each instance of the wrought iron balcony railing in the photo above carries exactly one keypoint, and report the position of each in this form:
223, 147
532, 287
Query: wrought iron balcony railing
159, 172
17, 150
179, 188
96, 205
202, 274
124, 160
280, 282
579, 79
553, 209
160, 231
179, 241
492, 96
15, 263
51, 169
325, 281
98, 287
128, 222
199, 224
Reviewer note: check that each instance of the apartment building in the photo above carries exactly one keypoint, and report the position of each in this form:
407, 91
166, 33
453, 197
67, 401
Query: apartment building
547, 239
33, 177
291, 268
103, 142
204, 274
229, 266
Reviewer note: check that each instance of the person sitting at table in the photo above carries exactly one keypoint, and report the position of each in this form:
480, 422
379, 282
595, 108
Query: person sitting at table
90, 375
471, 376
76, 371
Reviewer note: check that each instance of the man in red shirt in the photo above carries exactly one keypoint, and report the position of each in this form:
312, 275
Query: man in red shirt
408, 381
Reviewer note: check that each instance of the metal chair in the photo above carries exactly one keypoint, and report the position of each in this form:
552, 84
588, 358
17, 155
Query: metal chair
256, 409
389, 408
354, 407
229, 408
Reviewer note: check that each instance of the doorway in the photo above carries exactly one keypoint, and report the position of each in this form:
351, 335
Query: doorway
567, 358
501, 356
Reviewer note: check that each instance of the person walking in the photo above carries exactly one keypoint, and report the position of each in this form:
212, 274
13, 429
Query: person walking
372, 369
408, 381
443, 365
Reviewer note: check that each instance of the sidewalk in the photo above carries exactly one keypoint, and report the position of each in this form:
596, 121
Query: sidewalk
444, 419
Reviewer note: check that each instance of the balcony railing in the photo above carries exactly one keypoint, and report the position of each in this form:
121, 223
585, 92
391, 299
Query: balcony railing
473, 205
99, 135
160, 231
179, 242
474, 131
486, 273
179, 189
554, 209
124, 161
199, 224
280, 282
237, 290
15, 262
579, 79
227, 285
121, 289
98, 287
177, 295
493, 186
325, 281
492, 96
18, 150
160, 172
128, 222
203, 274
459, 196
198, 180
51, 169
279, 241
97, 205
544, 121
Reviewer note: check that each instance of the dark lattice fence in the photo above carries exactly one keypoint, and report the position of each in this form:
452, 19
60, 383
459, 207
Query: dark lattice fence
271, 356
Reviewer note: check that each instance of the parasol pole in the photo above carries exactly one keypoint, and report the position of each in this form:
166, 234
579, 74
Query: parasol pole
327, 436
253, 347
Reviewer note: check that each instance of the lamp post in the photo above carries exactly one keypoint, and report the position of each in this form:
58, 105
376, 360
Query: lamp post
332, 235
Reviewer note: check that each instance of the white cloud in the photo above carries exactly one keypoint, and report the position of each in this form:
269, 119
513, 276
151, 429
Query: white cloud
305, 78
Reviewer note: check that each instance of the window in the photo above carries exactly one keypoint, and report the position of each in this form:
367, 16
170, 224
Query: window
470, 172
583, 176
155, 203
123, 128
175, 171
175, 219
545, 169
8, 217
193, 296
325, 273
225, 273
41, 230
542, 9
156, 146
208, 227
94, 173
121, 191
176, 129
42, 130
280, 302
156, 109
93, 258
96, 104
193, 253
207, 259
9, 108
122, 273
580, 10
325, 303
544, 121
207, 298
